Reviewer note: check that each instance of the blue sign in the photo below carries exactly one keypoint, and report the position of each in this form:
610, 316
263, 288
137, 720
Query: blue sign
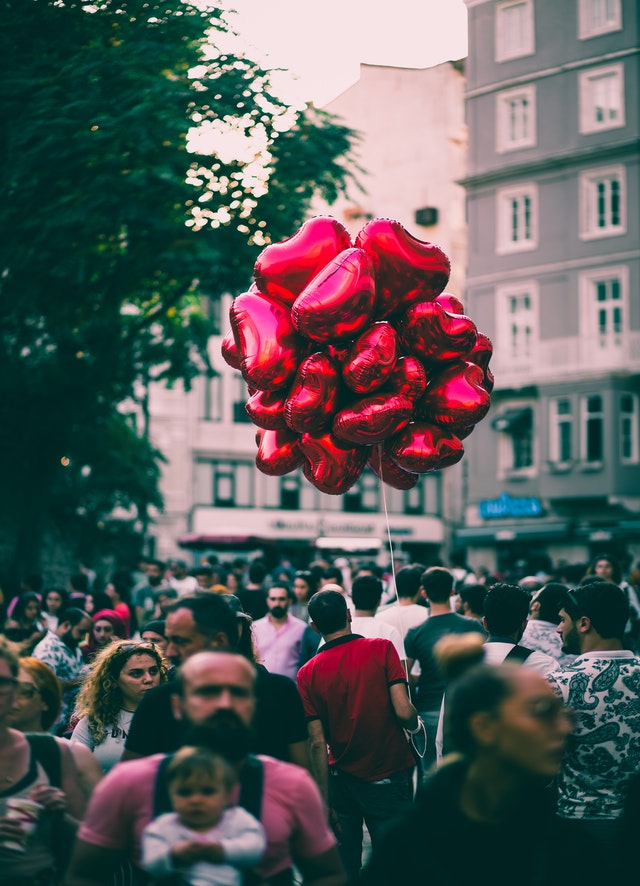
507, 506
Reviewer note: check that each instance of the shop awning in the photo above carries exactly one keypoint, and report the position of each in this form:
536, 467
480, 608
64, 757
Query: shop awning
510, 532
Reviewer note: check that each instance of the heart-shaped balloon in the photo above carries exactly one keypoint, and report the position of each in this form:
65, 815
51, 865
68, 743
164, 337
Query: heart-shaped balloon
279, 452
435, 335
372, 419
229, 350
371, 359
406, 269
314, 394
268, 345
456, 398
339, 302
330, 465
424, 447
450, 303
407, 378
384, 467
266, 409
283, 269
481, 355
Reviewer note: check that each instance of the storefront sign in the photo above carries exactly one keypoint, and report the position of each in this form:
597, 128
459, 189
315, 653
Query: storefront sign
508, 506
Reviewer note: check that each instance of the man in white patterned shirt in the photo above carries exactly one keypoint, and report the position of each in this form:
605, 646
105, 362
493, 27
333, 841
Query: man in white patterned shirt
602, 687
541, 631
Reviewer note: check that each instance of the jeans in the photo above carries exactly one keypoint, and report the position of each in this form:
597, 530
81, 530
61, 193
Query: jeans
431, 719
355, 801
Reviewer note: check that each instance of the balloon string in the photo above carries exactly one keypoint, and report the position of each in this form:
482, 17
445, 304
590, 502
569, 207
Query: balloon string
386, 517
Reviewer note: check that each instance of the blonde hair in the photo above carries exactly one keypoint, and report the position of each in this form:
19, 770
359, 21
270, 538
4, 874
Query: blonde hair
100, 699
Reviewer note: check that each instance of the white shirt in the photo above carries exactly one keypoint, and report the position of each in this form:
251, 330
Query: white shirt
403, 617
109, 752
370, 627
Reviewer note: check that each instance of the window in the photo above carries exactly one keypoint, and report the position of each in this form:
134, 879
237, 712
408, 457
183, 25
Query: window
597, 17
514, 29
602, 202
517, 217
601, 99
414, 502
211, 398
592, 430
363, 495
518, 323
516, 118
224, 483
291, 492
604, 312
240, 397
516, 447
561, 431
629, 429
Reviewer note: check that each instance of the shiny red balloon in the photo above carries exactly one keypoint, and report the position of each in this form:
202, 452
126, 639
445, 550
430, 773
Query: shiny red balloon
407, 378
406, 269
481, 355
373, 419
330, 465
450, 303
435, 335
266, 409
340, 300
279, 452
456, 398
424, 447
384, 467
313, 396
229, 350
283, 269
268, 345
371, 359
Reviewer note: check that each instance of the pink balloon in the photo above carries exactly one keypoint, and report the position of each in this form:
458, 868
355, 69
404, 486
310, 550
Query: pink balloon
423, 447
339, 302
373, 419
330, 465
283, 269
279, 452
268, 344
455, 397
430, 332
408, 378
384, 467
371, 359
406, 269
450, 303
314, 394
230, 353
481, 355
266, 409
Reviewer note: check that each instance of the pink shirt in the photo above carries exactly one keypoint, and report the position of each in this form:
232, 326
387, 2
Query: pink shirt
279, 650
293, 814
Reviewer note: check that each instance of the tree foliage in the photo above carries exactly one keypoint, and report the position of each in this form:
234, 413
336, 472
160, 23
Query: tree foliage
114, 221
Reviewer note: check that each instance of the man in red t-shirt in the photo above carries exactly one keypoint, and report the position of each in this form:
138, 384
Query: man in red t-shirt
356, 700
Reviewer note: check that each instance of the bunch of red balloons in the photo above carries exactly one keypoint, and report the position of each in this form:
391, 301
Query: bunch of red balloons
353, 355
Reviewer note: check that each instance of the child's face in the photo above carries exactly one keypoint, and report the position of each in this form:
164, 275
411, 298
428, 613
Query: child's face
199, 801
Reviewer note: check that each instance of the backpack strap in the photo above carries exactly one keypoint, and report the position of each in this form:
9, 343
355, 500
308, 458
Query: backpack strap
161, 799
518, 653
45, 749
251, 779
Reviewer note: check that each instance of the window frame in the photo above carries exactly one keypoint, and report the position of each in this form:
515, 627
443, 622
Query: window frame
504, 143
556, 421
502, 52
588, 124
507, 342
585, 417
634, 420
589, 212
589, 321
505, 245
506, 450
586, 30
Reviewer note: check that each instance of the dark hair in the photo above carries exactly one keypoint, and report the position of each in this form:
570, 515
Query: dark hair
73, 615
408, 581
285, 585
190, 761
156, 625
21, 604
328, 611
49, 687
62, 593
482, 688
551, 599
617, 569
605, 605
211, 614
333, 574
437, 583
475, 596
79, 582
257, 572
505, 609
366, 591
309, 577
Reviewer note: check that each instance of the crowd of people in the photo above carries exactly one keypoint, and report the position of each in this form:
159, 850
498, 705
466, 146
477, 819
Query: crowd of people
340, 724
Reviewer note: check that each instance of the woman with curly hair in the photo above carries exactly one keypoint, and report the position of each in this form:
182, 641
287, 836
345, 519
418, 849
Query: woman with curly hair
121, 674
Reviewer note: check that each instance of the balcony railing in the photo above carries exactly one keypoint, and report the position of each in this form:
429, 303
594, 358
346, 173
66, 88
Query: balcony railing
560, 358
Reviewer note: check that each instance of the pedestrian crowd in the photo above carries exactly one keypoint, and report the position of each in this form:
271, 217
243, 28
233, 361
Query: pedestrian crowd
229, 724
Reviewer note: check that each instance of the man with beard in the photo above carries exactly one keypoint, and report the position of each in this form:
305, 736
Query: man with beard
206, 621
216, 696
602, 686
278, 635
60, 650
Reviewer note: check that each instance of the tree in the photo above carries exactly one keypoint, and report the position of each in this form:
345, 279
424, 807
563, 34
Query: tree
115, 221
